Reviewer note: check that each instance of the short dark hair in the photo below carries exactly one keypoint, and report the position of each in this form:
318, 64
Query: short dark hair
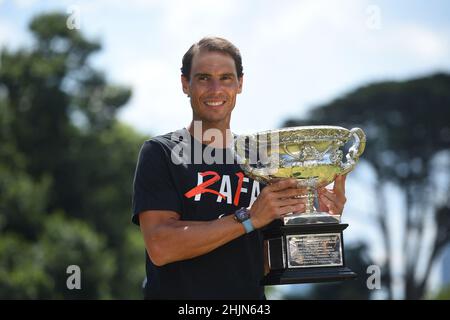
212, 44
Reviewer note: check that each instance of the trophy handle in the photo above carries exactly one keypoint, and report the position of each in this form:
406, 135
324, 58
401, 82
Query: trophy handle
355, 150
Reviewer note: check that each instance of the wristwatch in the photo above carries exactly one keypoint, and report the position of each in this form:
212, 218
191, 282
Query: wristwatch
242, 215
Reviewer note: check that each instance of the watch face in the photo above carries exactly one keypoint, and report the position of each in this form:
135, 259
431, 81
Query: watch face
242, 214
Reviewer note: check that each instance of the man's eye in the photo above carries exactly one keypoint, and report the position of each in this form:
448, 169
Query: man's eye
203, 77
226, 78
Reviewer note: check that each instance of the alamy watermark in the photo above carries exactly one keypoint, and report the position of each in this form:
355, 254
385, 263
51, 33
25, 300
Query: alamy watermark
256, 149
373, 21
374, 280
74, 280
74, 19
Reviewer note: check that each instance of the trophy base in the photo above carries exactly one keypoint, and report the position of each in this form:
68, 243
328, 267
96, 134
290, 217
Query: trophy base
293, 276
304, 253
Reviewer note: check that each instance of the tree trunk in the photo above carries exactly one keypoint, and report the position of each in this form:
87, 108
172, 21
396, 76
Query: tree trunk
382, 221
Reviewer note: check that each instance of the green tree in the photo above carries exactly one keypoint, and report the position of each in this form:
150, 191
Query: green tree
408, 142
22, 269
443, 294
66, 242
62, 150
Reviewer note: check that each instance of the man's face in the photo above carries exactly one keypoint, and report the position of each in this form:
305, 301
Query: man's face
212, 87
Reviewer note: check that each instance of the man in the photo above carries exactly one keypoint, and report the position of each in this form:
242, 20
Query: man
200, 240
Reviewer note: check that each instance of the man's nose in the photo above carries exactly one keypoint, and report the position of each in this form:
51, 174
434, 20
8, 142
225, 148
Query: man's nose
215, 85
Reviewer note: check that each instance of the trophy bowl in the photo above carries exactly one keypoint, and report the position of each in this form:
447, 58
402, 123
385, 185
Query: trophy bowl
310, 154
305, 246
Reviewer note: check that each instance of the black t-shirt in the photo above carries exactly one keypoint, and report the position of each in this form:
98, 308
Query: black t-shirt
198, 192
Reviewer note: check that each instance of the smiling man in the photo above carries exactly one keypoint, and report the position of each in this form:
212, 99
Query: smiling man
212, 81
201, 221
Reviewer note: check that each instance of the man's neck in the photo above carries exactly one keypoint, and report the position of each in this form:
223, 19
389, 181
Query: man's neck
217, 136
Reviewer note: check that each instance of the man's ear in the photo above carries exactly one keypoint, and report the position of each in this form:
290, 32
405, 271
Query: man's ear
241, 81
185, 85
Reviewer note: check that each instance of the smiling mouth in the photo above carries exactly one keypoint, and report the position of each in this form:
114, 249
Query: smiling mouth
214, 103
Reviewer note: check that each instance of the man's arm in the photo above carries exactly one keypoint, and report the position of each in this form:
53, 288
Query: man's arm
169, 239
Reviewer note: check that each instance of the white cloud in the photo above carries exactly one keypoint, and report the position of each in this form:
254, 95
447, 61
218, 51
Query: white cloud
24, 4
422, 42
11, 35
5, 33
411, 40
189, 16
158, 104
296, 54
104, 6
299, 19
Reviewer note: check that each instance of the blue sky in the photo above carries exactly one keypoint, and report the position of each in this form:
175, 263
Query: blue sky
296, 54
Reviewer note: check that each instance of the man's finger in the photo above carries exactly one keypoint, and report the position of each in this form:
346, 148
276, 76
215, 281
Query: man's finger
324, 192
282, 184
292, 208
337, 198
290, 202
332, 206
291, 192
339, 184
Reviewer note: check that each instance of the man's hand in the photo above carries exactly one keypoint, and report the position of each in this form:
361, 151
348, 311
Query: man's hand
333, 201
275, 201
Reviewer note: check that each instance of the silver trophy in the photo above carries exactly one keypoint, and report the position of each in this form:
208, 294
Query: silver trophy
308, 246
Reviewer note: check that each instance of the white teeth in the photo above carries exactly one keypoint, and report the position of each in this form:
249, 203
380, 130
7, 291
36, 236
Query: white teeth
214, 103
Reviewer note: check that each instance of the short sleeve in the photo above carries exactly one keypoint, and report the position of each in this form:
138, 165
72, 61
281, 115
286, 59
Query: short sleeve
153, 186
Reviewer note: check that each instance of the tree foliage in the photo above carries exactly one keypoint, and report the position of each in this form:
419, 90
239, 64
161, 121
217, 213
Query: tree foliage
408, 142
66, 170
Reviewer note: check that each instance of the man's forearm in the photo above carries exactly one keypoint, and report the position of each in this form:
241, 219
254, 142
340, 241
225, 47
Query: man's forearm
180, 240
